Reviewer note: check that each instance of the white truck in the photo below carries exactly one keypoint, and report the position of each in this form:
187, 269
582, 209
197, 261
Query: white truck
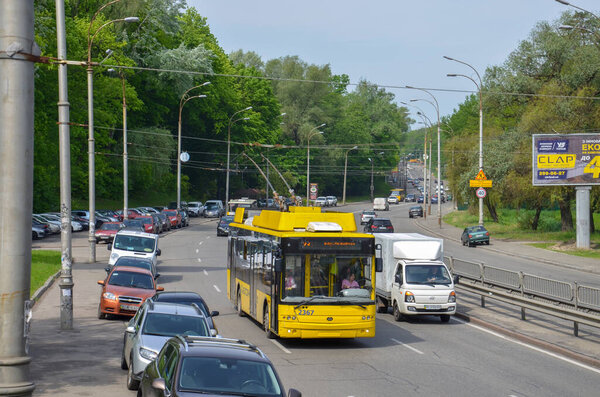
414, 281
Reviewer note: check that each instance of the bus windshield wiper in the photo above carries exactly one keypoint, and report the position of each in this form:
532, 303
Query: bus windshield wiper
312, 298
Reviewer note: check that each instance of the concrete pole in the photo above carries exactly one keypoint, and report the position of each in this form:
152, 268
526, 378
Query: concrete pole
430, 177
425, 177
91, 165
480, 152
582, 197
179, 158
267, 185
125, 168
308, 172
64, 132
345, 172
16, 193
372, 187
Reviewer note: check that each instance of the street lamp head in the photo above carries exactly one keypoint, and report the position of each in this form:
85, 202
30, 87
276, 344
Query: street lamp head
355, 147
205, 83
322, 125
380, 153
563, 2
415, 100
370, 159
410, 86
283, 114
566, 27
448, 58
246, 118
201, 96
452, 75
321, 132
248, 108
131, 19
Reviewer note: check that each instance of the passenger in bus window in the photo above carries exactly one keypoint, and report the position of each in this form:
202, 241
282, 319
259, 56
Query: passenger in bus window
350, 282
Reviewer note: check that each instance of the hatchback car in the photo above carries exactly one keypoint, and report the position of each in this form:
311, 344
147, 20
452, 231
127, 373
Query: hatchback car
124, 290
331, 201
188, 298
474, 235
107, 231
153, 324
366, 215
213, 209
415, 211
189, 365
195, 208
132, 261
38, 230
149, 223
174, 217
393, 200
410, 198
223, 225
379, 225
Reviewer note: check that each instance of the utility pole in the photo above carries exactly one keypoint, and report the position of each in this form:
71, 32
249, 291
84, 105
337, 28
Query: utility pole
64, 132
16, 192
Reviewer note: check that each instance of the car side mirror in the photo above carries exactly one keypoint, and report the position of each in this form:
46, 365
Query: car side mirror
214, 313
158, 252
101, 282
157, 276
213, 332
378, 265
159, 384
294, 393
159, 288
130, 329
398, 278
109, 247
107, 269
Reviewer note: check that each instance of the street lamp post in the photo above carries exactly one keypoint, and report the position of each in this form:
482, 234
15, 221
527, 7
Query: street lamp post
345, 172
91, 145
479, 88
229, 149
372, 171
184, 99
310, 135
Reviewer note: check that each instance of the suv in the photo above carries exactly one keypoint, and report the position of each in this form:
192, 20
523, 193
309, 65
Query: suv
410, 198
414, 211
331, 201
321, 202
152, 326
189, 365
213, 209
195, 208
379, 225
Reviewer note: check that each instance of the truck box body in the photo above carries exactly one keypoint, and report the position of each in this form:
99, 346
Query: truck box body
413, 256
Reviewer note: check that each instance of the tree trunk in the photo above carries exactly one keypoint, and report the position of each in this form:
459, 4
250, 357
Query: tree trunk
592, 226
492, 210
536, 217
566, 218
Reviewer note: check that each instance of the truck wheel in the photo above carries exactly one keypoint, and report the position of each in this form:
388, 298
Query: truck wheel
445, 318
397, 314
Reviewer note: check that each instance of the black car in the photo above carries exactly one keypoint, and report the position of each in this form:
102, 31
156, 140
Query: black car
132, 261
194, 365
415, 211
223, 225
379, 225
187, 298
410, 198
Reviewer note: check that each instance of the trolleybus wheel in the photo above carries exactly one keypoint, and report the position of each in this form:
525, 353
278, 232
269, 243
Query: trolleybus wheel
266, 325
239, 304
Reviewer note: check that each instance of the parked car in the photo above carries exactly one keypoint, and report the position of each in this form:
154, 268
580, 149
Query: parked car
380, 204
75, 225
331, 201
185, 218
38, 230
174, 217
379, 225
366, 215
124, 290
149, 224
109, 213
415, 211
410, 198
188, 298
434, 199
321, 201
152, 326
474, 235
133, 224
134, 243
213, 209
195, 208
421, 199
393, 200
211, 366
164, 219
133, 261
223, 225
53, 225
107, 231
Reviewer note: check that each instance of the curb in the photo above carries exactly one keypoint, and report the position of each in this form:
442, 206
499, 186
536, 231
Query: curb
532, 341
40, 291
531, 258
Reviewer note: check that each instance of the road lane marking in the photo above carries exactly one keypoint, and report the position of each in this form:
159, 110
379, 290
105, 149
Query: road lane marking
200, 243
407, 346
217, 288
537, 349
279, 345
205, 272
199, 260
197, 250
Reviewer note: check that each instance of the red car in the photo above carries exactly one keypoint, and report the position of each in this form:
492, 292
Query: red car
107, 231
125, 289
149, 225
174, 217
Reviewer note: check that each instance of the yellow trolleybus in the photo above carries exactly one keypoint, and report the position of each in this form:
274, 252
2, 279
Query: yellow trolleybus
303, 273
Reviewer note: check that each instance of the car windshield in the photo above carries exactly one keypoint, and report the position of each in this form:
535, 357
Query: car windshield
227, 219
369, 213
146, 221
132, 222
133, 262
131, 279
216, 375
110, 226
171, 213
477, 229
134, 243
211, 206
164, 324
427, 274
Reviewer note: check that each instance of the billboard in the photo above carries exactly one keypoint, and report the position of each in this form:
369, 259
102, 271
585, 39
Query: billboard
570, 159
314, 191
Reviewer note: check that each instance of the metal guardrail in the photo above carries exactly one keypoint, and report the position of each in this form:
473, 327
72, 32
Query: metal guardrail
569, 301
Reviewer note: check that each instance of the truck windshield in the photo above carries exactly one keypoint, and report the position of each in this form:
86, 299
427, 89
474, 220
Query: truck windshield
325, 275
427, 274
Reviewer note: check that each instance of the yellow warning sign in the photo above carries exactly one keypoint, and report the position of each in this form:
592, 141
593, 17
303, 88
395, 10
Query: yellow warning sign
480, 176
480, 183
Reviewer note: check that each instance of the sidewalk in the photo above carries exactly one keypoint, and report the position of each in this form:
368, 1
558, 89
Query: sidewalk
514, 248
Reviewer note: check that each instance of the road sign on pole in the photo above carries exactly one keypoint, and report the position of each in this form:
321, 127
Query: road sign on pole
481, 193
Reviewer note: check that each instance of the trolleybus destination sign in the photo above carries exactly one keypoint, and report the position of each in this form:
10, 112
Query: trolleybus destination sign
569, 159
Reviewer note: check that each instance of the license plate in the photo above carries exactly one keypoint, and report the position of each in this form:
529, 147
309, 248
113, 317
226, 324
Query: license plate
433, 307
129, 307
104, 238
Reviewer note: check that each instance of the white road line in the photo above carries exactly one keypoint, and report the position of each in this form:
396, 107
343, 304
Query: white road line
205, 272
407, 346
197, 250
537, 349
279, 345
199, 260
200, 243
217, 288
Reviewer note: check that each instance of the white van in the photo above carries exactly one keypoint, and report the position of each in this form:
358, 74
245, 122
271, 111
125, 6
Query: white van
134, 243
381, 204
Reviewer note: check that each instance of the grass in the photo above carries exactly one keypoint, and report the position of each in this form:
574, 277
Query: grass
43, 265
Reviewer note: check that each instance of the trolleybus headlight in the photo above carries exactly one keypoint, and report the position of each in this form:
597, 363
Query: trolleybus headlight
452, 297
409, 297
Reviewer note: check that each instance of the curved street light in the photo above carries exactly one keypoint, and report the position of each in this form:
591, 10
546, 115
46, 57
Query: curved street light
345, 172
372, 168
310, 135
91, 144
229, 149
184, 99
479, 88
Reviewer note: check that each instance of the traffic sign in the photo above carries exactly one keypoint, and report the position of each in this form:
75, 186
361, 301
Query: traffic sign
480, 183
480, 176
184, 157
480, 192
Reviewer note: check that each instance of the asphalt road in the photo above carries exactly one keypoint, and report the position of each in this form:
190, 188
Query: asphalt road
422, 357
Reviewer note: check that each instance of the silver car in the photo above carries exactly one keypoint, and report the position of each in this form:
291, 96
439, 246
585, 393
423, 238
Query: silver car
147, 332
195, 208
321, 201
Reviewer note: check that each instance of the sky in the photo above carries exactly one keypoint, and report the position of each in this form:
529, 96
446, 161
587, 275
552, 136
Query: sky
387, 42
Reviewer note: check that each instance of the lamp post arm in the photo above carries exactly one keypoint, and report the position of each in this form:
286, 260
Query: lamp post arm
91, 40
94, 18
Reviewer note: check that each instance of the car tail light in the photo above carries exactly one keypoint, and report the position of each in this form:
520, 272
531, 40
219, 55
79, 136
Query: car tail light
470, 235
487, 233
373, 227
